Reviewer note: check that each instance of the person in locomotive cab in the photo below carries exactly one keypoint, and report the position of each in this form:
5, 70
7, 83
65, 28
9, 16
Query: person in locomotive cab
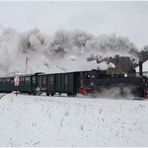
87, 75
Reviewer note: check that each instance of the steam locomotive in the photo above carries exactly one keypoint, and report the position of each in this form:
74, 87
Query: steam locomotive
73, 83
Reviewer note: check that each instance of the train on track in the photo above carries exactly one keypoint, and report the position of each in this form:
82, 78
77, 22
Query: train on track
73, 83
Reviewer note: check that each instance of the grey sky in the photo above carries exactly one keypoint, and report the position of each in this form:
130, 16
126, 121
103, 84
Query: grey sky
123, 18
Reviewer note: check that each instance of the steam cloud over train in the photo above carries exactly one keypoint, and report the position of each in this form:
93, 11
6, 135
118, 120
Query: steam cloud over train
73, 83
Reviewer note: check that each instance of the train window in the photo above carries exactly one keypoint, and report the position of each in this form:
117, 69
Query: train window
22, 79
27, 79
51, 80
7, 80
3, 80
48, 79
44, 81
39, 81
33, 80
66, 79
12, 80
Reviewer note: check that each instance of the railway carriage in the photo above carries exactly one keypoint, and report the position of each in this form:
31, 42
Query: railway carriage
27, 84
59, 83
7, 84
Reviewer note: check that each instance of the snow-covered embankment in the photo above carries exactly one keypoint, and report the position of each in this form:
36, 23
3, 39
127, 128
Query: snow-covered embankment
64, 121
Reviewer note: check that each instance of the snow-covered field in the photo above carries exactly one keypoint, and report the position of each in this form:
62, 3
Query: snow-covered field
67, 121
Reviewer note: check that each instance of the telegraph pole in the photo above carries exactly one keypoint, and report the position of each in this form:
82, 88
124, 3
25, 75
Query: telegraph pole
26, 63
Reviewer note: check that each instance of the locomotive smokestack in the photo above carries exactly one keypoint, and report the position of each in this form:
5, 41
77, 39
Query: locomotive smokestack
140, 66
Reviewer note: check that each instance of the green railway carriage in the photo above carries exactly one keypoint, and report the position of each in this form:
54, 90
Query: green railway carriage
41, 83
59, 83
67, 83
27, 84
7, 84
38, 83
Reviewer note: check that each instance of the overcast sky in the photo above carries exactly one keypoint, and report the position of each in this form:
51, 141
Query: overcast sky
123, 18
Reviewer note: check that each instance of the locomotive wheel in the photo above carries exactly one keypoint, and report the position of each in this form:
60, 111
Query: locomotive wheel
47, 93
71, 94
52, 93
34, 93
74, 94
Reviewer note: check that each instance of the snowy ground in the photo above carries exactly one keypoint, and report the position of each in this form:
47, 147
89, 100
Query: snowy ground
63, 121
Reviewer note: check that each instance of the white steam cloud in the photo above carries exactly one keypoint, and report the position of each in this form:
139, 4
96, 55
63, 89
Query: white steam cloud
34, 51
116, 92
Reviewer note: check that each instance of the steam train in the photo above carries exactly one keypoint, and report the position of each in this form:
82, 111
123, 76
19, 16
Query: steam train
73, 83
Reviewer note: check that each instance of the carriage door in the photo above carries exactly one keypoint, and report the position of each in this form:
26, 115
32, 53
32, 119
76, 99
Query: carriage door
51, 83
34, 85
39, 84
44, 83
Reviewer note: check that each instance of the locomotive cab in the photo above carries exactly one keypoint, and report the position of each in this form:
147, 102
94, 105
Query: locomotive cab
88, 80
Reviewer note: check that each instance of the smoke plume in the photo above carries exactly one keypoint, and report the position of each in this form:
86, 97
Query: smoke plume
33, 51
